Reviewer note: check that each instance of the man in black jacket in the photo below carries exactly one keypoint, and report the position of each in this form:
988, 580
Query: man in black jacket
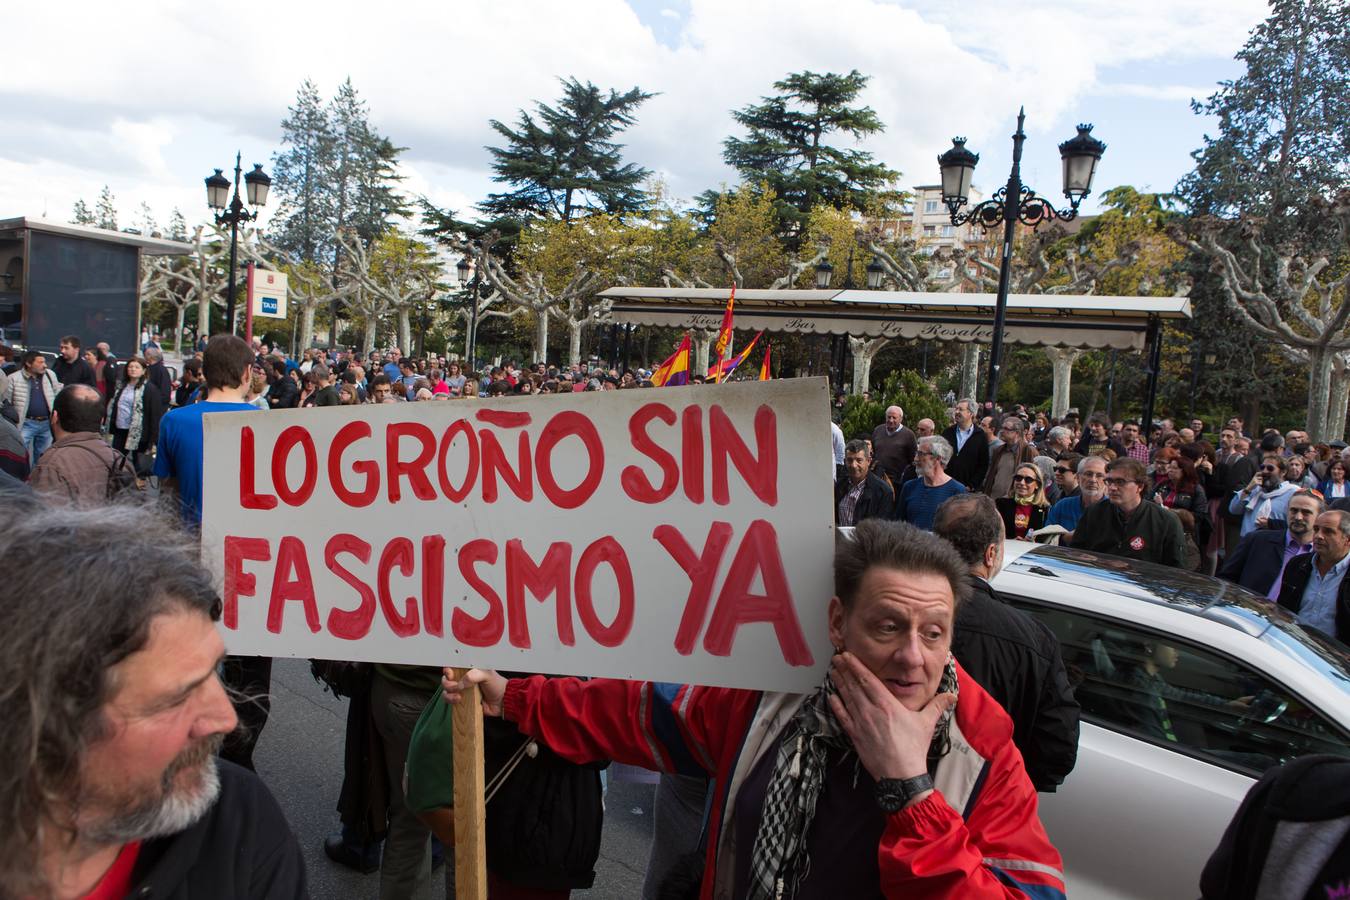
1128, 525
970, 446
1314, 587
1258, 561
116, 711
158, 374
70, 366
1012, 656
1232, 473
861, 494
282, 391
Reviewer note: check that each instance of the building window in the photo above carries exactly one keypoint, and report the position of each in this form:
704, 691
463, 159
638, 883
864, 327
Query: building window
948, 230
930, 206
929, 230
944, 273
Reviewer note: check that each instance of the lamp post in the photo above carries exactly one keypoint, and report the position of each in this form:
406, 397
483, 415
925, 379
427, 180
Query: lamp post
1013, 203
232, 212
462, 269
876, 275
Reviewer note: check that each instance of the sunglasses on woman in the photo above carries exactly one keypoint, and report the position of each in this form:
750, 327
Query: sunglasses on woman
1025, 479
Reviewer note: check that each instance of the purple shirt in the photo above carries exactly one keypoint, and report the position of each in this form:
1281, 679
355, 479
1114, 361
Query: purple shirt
1292, 548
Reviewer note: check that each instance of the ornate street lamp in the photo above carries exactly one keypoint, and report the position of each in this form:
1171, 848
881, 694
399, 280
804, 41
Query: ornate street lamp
824, 272
1015, 203
876, 274
232, 212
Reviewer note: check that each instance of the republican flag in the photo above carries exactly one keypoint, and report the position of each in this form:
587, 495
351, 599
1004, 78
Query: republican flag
764, 366
674, 371
724, 333
723, 369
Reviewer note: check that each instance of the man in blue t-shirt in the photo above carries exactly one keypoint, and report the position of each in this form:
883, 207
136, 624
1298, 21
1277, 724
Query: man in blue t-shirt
920, 497
1091, 489
227, 368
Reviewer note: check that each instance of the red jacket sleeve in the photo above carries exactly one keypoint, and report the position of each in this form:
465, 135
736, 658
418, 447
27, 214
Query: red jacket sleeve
929, 852
664, 727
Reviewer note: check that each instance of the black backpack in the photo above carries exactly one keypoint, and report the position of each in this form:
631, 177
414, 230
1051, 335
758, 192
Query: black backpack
122, 482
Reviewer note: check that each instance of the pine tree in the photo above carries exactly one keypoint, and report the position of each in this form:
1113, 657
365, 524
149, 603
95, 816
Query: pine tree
81, 215
563, 159
146, 220
105, 212
177, 226
1267, 222
786, 147
1284, 124
302, 224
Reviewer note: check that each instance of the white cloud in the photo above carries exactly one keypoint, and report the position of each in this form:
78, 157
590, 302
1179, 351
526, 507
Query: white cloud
150, 103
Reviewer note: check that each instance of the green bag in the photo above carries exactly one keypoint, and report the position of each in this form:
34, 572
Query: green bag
429, 773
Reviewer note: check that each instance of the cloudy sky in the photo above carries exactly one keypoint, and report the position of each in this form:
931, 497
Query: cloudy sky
148, 97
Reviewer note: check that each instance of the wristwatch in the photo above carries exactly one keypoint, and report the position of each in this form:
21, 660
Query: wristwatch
893, 794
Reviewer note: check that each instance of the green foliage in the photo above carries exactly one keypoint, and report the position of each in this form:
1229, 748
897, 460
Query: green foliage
903, 388
336, 172
81, 215
105, 211
566, 160
786, 147
1284, 124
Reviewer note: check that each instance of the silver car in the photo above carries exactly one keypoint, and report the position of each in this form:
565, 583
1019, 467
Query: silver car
1190, 688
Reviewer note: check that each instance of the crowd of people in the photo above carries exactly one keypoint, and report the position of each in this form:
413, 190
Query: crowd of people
914, 767
1185, 497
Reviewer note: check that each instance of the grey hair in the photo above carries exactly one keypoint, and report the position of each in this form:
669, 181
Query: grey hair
1058, 432
969, 402
82, 589
1047, 467
937, 445
857, 446
881, 543
153, 354
1342, 522
1082, 463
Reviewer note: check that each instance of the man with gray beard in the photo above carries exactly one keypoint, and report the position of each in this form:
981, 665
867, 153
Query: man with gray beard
113, 713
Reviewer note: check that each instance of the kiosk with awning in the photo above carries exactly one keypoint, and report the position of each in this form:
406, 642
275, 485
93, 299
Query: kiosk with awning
1063, 324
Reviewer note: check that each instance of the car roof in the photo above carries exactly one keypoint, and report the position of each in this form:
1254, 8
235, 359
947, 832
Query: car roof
1188, 593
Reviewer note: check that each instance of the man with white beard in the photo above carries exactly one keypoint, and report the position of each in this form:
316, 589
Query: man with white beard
113, 713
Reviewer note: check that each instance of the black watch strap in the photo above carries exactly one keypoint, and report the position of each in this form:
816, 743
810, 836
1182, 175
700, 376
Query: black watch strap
893, 794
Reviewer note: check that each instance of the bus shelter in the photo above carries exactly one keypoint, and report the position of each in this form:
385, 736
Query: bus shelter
1064, 325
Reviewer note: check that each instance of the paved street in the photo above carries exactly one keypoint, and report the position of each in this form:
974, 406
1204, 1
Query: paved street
300, 758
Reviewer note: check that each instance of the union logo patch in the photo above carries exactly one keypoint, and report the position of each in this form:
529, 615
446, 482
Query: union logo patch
1136, 543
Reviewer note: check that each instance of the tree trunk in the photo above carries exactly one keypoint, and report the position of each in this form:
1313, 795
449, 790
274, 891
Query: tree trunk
970, 370
540, 336
204, 314
368, 335
404, 330
702, 344
306, 327
178, 329
1319, 393
1061, 361
864, 350
574, 342
1340, 398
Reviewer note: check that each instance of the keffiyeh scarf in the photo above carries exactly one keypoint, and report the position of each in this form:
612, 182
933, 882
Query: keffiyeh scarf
779, 861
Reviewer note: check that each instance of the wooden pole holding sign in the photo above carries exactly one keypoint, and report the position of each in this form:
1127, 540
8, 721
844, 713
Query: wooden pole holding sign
470, 807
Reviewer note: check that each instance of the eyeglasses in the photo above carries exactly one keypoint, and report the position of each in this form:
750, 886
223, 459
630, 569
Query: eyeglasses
1117, 482
1063, 470
1025, 479
1270, 468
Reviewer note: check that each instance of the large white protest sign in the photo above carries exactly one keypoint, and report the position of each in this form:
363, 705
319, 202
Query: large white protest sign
679, 534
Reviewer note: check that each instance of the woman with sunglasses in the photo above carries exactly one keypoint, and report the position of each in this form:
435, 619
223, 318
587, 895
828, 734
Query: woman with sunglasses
1025, 506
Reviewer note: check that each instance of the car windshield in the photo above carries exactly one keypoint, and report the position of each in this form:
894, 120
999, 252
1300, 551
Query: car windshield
1211, 597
